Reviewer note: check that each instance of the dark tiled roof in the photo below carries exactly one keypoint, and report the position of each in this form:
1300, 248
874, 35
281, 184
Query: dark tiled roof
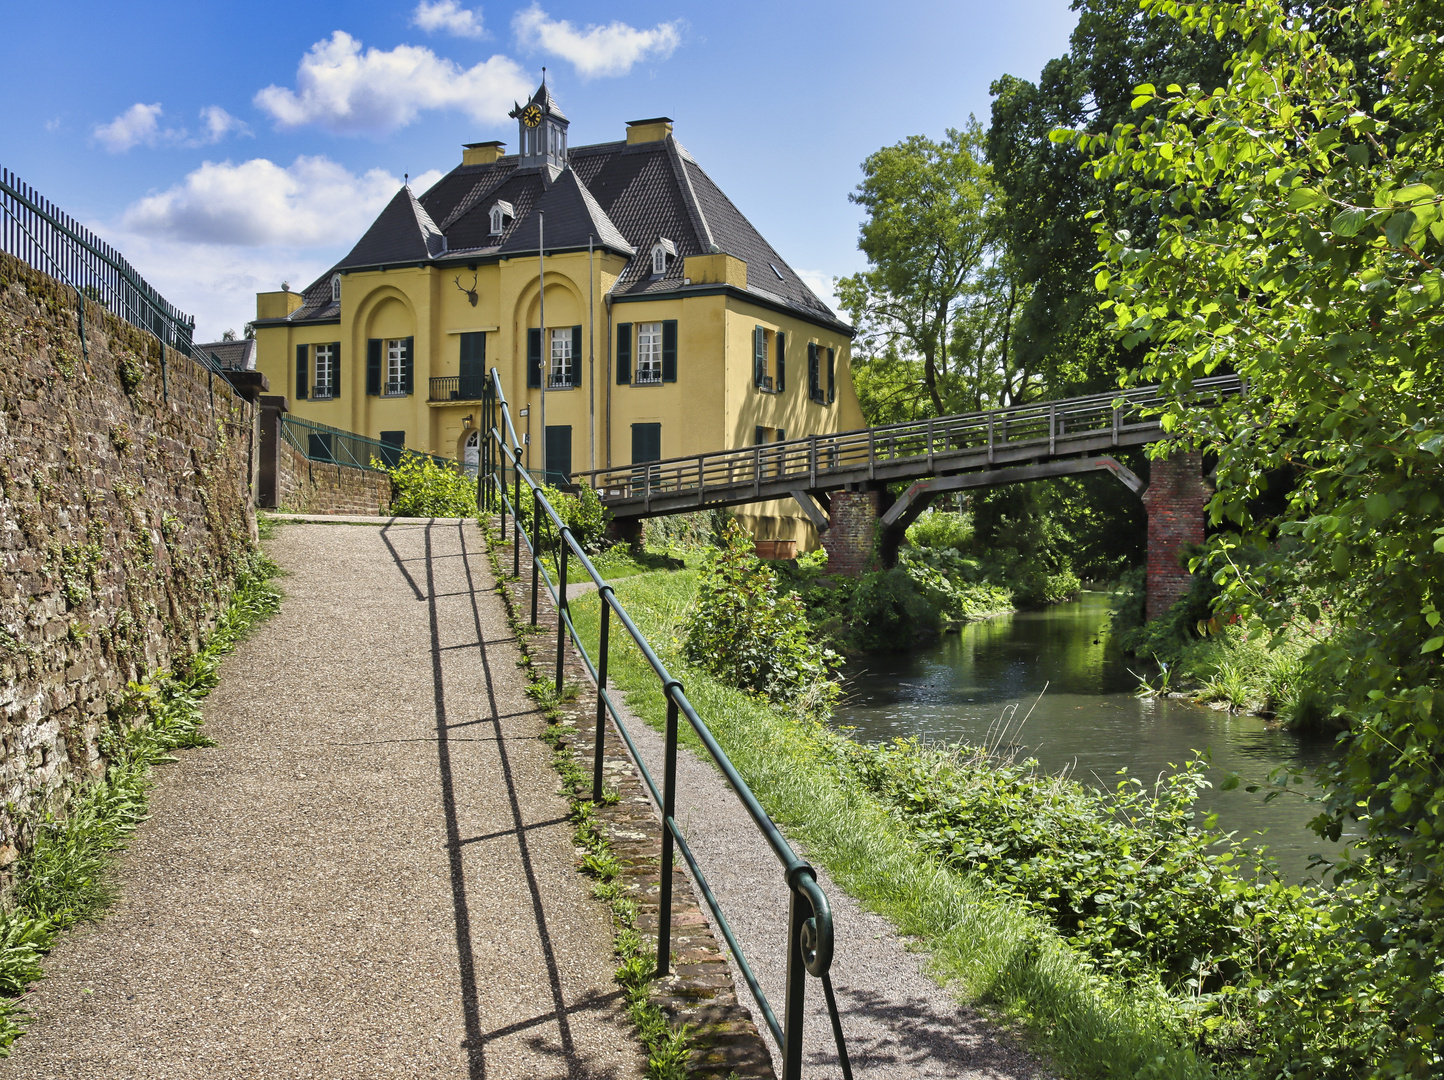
626, 196
403, 233
233, 355
572, 219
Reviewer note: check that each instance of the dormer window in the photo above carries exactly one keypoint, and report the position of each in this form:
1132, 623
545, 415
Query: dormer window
501, 216
662, 251
335, 288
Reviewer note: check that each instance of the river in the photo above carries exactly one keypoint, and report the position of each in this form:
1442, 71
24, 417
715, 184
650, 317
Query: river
1088, 720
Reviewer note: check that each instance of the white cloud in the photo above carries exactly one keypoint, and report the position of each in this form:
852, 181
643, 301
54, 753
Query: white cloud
312, 202
448, 17
822, 284
138, 124
219, 124
344, 90
228, 231
598, 50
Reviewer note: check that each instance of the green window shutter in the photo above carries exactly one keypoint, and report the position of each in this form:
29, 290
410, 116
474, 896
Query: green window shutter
335, 369
303, 376
407, 345
576, 356
814, 376
781, 361
759, 436
624, 354
759, 357
646, 443
373, 366
533, 358
669, 350
831, 376
781, 435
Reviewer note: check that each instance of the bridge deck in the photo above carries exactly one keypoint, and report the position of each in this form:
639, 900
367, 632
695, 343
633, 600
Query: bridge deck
950, 444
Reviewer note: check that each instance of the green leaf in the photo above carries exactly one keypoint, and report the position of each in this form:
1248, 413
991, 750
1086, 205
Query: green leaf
1349, 222
1398, 227
1304, 198
1432, 645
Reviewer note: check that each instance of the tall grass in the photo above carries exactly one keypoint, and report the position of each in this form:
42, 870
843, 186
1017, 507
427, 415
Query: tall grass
989, 953
66, 876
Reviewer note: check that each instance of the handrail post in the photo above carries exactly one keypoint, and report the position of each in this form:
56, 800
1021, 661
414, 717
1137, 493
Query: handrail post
516, 505
535, 549
562, 552
1052, 427
602, 645
796, 993
669, 814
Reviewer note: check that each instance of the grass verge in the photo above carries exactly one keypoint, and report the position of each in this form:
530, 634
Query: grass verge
66, 877
994, 955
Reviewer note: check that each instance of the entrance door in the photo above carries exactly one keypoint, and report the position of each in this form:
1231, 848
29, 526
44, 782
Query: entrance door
559, 453
471, 453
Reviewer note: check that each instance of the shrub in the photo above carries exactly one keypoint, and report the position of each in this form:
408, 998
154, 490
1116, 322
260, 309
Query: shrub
1124, 876
939, 529
749, 634
423, 487
583, 514
888, 613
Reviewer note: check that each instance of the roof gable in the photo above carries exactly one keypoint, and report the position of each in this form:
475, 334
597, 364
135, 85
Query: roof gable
404, 232
573, 218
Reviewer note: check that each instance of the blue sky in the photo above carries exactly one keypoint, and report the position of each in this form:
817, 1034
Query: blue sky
223, 147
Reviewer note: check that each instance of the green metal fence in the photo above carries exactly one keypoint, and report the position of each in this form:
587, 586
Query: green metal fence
40, 234
809, 929
320, 442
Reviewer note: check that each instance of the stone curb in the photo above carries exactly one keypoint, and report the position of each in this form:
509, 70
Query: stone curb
700, 993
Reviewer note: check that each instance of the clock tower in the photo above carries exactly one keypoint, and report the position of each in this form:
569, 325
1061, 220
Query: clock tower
541, 132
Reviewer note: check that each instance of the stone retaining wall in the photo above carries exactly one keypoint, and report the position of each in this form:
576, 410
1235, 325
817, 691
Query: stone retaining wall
125, 507
290, 481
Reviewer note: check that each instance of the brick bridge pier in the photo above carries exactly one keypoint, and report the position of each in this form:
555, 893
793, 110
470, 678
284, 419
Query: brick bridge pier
1174, 498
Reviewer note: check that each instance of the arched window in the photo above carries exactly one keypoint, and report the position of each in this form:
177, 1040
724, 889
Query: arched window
662, 251
335, 288
501, 215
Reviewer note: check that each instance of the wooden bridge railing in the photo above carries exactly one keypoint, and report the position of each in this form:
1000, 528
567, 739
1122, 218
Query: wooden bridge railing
893, 451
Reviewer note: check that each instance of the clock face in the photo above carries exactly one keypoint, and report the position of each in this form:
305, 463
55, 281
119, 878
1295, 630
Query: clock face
531, 116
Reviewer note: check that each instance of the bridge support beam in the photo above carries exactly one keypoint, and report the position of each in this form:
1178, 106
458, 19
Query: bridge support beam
852, 518
1175, 499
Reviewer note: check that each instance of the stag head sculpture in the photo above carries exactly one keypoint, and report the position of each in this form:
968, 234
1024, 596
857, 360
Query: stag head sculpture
471, 292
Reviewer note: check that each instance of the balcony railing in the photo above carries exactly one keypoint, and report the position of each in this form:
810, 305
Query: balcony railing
458, 388
322, 393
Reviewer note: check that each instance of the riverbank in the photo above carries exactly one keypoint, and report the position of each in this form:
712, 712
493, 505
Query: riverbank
980, 944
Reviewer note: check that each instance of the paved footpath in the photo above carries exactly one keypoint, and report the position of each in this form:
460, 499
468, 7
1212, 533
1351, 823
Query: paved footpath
371, 876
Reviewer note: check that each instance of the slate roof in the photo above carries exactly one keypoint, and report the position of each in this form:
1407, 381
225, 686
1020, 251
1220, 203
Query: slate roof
233, 355
626, 197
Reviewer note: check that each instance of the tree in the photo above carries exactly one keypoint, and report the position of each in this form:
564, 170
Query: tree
926, 239
1300, 242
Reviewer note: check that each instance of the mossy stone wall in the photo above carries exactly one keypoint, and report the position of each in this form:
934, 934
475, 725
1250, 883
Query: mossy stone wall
125, 507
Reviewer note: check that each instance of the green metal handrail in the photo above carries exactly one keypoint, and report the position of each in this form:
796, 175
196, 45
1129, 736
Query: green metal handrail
321, 442
810, 931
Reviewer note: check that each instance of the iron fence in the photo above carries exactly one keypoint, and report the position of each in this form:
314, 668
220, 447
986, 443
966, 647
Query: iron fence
809, 930
320, 442
43, 236
457, 388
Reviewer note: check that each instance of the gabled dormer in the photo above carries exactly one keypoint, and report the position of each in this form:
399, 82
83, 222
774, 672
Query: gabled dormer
542, 131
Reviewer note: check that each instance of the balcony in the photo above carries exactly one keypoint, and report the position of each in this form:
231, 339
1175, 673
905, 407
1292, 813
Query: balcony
458, 388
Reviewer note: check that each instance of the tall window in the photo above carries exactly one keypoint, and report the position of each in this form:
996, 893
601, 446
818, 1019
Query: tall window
336, 288
325, 372
395, 351
649, 353
561, 358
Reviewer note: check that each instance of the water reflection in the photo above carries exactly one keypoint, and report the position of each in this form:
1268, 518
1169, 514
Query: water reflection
1088, 720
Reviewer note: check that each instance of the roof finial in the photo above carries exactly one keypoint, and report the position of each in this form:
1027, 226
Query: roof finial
406, 179
544, 76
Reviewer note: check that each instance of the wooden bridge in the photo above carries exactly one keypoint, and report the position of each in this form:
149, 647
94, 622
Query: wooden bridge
999, 446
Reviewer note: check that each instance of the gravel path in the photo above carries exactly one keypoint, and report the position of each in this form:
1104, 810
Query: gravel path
898, 1022
371, 876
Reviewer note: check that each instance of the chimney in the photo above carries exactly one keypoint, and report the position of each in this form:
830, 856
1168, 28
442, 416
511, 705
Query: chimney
644, 131
480, 153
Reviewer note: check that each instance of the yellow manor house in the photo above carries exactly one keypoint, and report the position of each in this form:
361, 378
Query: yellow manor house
672, 327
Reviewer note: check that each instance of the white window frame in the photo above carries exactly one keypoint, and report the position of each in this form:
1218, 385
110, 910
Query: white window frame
394, 386
659, 260
324, 362
560, 360
498, 221
647, 366
336, 288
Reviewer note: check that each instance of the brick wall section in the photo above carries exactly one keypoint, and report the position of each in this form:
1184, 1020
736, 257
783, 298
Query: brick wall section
700, 991
852, 526
314, 487
125, 506
1175, 500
